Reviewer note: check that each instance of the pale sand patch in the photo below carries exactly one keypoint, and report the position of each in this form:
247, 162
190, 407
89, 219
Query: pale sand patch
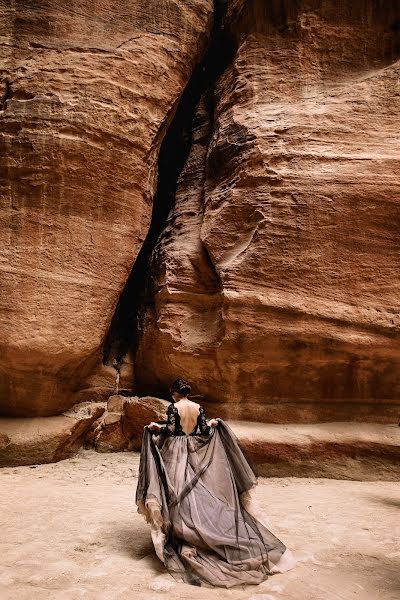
70, 530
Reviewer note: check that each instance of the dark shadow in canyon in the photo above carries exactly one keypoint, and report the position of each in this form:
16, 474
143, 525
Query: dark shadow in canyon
123, 333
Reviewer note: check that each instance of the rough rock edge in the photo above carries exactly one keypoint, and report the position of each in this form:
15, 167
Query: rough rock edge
30, 441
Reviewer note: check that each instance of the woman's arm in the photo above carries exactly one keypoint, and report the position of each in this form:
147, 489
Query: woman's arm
204, 426
169, 428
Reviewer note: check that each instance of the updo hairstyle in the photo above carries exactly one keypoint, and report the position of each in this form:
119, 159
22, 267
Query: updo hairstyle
181, 386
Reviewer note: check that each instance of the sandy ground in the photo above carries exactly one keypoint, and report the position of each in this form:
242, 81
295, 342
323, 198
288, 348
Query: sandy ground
70, 530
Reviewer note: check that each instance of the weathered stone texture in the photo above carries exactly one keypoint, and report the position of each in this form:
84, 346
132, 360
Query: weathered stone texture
38, 440
277, 287
121, 426
367, 452
87, 93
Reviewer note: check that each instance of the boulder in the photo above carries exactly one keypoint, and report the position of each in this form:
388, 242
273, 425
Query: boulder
29, 441
109, 436
121, 426
139, 412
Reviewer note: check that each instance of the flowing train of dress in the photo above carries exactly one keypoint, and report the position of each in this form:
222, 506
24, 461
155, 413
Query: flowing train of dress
195, 491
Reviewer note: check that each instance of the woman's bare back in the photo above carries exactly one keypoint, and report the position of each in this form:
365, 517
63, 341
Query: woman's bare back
188, 413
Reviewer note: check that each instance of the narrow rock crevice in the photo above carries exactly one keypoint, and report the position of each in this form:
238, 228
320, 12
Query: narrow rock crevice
8, 93
122, 336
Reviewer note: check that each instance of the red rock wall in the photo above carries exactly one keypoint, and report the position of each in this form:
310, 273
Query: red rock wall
277, 291
88, 90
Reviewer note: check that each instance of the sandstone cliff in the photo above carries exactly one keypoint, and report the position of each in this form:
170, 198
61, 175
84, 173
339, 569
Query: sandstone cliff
273, 286
276, 281
88, 91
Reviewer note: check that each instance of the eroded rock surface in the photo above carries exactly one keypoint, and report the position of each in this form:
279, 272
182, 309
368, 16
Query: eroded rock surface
87, 93
112, 426
366, 452
276, 284
121, 425
37, 440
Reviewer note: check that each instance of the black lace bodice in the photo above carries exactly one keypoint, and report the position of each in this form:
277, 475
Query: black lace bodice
174, 427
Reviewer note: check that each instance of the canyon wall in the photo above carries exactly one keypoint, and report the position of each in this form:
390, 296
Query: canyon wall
88, 91
273, 286
276, 287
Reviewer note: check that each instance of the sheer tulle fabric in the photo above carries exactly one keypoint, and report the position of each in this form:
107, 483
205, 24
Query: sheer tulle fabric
196, 492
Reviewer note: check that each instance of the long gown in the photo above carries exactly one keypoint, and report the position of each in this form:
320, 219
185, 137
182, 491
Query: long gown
196, 490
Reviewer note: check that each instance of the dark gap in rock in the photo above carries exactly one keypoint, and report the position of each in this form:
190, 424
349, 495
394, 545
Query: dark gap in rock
174, 151
8, 93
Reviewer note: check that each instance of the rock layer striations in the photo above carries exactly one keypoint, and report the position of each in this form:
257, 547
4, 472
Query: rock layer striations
276, 282
87, 93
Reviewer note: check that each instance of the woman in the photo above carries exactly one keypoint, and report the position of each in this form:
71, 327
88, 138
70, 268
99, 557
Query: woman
194, 489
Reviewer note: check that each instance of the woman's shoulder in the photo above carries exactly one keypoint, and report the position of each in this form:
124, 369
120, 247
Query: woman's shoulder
186, 403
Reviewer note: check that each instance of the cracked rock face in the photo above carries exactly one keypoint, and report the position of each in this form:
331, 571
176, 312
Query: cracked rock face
276, 282
275, 285
87, 94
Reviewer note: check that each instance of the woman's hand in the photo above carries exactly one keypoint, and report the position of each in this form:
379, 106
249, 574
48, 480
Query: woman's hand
153, 426
213, 423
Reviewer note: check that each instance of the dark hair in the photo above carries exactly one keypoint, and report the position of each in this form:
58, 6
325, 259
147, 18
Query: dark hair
181, 386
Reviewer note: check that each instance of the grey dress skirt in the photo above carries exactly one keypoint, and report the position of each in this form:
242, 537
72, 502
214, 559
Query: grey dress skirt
195, 491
